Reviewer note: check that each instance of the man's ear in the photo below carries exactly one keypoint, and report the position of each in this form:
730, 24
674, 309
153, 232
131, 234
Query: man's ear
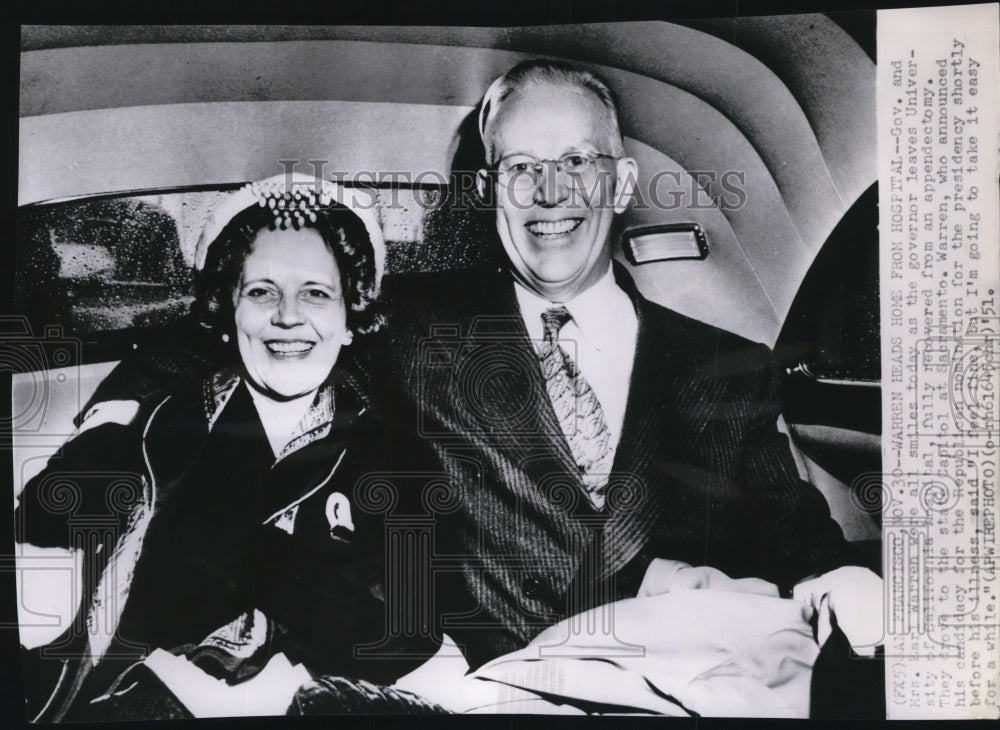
625, 182
483, 184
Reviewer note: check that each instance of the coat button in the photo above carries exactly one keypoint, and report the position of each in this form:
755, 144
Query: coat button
531, 587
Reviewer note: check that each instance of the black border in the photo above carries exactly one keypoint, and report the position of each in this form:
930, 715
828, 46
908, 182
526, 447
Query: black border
358, 12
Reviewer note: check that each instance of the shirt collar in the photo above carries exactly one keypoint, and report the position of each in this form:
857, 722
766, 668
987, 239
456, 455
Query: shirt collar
314, 425
592, 309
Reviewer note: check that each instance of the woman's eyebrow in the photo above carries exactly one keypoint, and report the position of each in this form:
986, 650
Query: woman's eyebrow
310, 282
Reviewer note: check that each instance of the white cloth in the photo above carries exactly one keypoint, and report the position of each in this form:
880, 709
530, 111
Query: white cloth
699, 642
856, 596
663, 576
707, 652
600, 338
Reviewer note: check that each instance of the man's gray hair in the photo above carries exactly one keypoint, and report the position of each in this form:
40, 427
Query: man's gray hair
539, 71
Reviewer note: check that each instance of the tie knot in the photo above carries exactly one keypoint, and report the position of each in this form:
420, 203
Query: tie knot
554, 319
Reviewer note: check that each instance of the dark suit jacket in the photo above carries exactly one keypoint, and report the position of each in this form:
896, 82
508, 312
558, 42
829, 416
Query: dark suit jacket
701, 473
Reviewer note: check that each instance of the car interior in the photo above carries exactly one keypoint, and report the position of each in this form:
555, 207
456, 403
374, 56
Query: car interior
755, 204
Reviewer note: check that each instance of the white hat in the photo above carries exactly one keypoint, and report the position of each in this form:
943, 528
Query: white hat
294, 196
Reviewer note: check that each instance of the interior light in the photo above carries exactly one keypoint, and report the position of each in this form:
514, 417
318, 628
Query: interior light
664, 242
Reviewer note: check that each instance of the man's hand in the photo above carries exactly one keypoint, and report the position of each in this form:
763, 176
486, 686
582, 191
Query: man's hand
855, 595
663, 576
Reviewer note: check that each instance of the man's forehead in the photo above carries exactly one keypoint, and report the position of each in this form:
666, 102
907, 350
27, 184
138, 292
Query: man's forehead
553, 93
563, 113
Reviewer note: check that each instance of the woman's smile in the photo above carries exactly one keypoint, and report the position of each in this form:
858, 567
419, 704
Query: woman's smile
289, 349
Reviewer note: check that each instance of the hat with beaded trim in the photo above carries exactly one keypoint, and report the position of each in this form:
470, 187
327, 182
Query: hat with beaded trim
294, 199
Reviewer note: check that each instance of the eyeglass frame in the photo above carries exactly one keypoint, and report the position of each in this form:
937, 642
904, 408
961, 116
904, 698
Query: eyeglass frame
538, 167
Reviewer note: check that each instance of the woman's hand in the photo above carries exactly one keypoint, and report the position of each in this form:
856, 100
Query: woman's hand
269, 692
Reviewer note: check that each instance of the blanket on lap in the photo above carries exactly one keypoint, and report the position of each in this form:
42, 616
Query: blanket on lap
694, 643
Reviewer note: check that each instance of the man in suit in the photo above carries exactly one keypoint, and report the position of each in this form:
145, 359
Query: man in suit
588, 435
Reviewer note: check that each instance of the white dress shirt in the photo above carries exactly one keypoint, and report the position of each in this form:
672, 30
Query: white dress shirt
600, 338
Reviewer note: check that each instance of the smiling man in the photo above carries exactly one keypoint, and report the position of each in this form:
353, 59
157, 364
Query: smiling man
557, 163
588, 435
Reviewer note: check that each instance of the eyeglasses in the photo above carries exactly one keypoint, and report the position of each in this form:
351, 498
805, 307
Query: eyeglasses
523, 172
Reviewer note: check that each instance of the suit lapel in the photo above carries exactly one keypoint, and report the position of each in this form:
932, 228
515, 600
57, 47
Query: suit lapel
500, 381
658, 427
633, 511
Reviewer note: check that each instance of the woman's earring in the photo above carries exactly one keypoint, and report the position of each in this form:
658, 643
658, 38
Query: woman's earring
348, 337
225, 338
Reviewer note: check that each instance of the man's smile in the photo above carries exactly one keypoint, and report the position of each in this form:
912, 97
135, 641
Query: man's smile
552, 229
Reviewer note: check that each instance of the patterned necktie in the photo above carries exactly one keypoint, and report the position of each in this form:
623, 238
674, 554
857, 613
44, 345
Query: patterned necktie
577, 408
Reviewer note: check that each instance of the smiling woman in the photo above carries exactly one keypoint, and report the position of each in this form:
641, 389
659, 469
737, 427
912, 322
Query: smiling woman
288, 276
290, 317
290, 294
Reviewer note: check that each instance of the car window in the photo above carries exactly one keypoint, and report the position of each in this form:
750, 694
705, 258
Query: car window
109, 264
832, 329
123, 263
